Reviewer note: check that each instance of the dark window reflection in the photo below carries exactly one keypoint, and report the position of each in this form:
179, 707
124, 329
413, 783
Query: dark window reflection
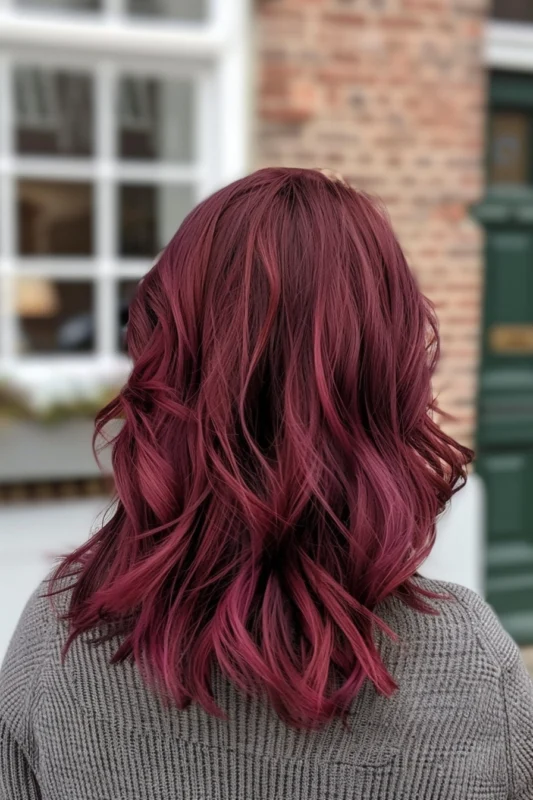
68, 5
509, 147
193, 10
126, 290
517, 10
54, 112
149, 216
55, 316
55, 218
155, 119
138, 224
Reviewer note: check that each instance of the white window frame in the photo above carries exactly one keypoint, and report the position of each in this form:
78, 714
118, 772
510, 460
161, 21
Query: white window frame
509, 45
214, 53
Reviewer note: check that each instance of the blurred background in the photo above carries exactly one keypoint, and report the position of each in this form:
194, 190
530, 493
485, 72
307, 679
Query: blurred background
117, 116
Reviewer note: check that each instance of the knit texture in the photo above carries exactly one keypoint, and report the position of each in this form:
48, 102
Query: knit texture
460, 727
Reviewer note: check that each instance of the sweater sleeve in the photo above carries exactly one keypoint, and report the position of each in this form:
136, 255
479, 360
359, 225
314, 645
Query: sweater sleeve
518, 697
17, 781
19, 698
516, 690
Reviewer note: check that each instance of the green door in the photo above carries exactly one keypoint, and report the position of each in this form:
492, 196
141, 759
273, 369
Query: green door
505, 402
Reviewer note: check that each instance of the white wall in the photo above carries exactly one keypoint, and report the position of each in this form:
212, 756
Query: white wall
30, 537
459, 553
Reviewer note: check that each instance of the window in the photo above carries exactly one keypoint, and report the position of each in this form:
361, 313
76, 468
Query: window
59, 241
513, 10
180, 9
53, 112
60, 5
509, 147
105, 146
174, 9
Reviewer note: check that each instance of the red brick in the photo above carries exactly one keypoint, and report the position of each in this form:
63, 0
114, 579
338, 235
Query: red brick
394, 98
342, 19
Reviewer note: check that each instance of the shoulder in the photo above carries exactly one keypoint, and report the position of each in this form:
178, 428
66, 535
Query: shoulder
467, 611
25, 657
463, 624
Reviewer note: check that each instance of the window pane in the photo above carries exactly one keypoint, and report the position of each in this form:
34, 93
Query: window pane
69, 5
155, 119
149, 217
509, 147
191, 10
519, 10
55, 218
54, 316
126, 290
54, 112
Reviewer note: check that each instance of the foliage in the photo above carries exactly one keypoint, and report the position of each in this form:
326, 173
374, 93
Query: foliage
15, 404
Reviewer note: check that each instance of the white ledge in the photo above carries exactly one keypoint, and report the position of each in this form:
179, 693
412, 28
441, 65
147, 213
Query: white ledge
110, 35
509, 45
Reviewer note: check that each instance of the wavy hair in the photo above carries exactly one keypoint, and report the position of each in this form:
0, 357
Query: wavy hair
278, 468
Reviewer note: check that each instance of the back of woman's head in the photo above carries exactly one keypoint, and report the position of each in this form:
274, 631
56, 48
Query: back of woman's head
278, 470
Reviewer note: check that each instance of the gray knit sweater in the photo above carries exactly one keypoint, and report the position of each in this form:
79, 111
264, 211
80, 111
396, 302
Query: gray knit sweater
460, 726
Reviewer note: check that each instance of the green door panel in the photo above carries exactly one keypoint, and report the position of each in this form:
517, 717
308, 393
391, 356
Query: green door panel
505, 403
508, 477
505, 424
504, 439
510, 277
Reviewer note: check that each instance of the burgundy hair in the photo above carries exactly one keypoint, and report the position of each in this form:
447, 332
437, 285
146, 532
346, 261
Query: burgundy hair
278, 470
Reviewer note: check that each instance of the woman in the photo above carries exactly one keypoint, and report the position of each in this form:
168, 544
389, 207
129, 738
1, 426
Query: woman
249, 622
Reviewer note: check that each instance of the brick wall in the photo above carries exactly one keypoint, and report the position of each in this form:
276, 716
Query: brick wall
391, 94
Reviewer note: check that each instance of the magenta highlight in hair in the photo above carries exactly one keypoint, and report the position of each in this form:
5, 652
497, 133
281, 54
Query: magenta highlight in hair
278, 469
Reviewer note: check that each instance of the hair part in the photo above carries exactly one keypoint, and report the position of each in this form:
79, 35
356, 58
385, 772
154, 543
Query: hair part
278, 469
